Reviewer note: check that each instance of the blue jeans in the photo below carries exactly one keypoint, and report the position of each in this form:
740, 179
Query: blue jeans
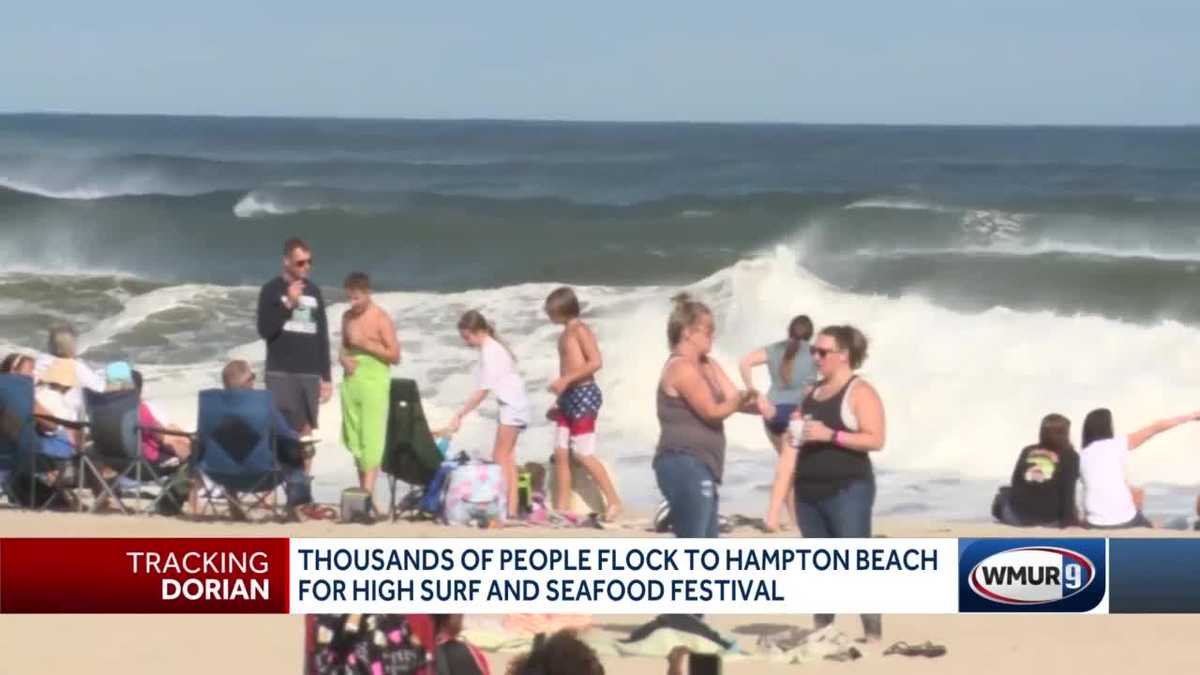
296, 486
58, 447
846, 513
691, 491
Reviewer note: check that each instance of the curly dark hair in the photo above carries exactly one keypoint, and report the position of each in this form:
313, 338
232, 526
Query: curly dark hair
561, 654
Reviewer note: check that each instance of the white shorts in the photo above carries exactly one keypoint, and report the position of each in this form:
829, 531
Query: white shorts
514, 416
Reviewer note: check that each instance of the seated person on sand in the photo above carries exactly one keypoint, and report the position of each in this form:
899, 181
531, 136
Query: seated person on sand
59, 439
162, 450
53, 397
17, 363
1043, 481
238, 375
62, 345
20, 364
1108, 500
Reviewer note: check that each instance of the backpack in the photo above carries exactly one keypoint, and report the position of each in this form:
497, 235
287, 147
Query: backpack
368, 644
475, 494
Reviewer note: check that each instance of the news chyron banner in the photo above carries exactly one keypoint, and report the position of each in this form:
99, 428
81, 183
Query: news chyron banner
599, 576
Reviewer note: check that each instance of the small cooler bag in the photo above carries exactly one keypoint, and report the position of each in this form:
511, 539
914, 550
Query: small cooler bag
476, 494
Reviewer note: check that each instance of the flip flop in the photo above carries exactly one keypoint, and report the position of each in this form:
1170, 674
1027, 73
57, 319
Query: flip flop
318, 512
926, 649
850, 654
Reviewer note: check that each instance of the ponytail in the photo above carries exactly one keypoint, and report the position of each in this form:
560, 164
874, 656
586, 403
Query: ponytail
686, 313
800, 330
473, 321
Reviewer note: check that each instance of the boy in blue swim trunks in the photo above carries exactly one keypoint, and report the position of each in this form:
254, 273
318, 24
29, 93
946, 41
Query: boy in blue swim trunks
578, 404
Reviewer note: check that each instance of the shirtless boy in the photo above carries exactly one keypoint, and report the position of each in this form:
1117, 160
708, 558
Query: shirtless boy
578, 403
369, 349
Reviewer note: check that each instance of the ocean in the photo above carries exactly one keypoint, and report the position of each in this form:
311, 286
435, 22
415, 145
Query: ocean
1000, 273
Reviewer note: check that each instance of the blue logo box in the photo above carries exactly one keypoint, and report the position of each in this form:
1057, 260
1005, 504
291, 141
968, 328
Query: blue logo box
1031, 575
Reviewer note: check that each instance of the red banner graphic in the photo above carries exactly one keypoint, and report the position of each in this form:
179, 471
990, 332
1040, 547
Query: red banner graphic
176, 576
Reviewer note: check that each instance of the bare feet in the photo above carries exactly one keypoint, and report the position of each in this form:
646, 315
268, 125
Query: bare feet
677, 661
612, 512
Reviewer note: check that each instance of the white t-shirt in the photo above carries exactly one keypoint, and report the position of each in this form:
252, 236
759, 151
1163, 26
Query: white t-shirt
58, 404
88, 378
1106, 496
497, 373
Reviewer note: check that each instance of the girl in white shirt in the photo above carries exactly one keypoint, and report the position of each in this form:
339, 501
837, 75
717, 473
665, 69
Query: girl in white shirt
1108, 500
496, 373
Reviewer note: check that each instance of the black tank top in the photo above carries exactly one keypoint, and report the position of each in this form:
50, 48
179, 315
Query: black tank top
823, 468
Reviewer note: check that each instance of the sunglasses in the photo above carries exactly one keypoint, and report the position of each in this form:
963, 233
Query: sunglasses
249, 381
820, 353
307, 262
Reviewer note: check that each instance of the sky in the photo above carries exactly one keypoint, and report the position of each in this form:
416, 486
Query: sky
851, 61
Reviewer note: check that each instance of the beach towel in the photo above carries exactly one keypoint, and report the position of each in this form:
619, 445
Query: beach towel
796, 646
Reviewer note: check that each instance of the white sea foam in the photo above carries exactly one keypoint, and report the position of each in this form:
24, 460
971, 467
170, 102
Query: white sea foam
1042, 246
900, 203
77, 193
963, 392
254, 205
135, 184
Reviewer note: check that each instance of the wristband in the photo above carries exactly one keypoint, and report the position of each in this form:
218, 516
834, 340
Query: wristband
837, 438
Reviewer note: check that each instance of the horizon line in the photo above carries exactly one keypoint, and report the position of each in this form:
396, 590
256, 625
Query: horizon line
555, 120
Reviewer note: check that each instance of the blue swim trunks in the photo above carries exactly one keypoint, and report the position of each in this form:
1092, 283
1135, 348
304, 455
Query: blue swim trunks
778, 424
575, 421
580, 402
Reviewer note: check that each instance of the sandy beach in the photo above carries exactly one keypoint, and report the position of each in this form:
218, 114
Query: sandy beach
273, 644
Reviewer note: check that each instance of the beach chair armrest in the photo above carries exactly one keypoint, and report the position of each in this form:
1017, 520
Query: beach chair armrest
168, 432
61, 422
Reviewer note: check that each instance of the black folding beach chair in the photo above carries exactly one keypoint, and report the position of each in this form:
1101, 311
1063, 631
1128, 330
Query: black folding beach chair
114, 461
236, 450
410, 454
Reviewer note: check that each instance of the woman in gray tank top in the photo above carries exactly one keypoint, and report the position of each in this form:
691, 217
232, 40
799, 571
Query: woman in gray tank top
694, 397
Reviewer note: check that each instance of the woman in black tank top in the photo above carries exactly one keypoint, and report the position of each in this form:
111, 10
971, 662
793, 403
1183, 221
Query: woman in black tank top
833, 479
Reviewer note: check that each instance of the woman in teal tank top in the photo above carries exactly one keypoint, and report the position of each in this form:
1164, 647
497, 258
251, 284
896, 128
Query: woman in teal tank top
792, 371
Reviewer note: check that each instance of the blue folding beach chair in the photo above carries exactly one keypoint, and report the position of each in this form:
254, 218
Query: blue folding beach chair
27, 477
116, 445
18, 437
236, 450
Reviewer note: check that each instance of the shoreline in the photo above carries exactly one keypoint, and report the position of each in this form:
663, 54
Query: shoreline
19, 523
269, 644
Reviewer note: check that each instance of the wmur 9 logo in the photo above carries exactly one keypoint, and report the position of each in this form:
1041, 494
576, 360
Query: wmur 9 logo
1031, 575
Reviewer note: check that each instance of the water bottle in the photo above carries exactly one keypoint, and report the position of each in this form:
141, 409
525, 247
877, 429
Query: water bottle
796, 429
524, 492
